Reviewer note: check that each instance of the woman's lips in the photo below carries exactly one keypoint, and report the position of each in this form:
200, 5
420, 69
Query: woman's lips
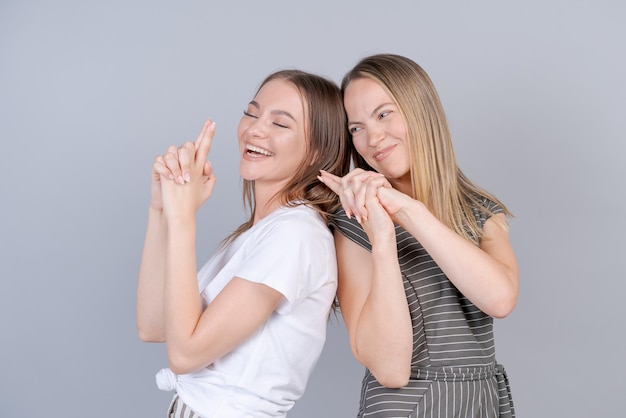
383, 153
254, 152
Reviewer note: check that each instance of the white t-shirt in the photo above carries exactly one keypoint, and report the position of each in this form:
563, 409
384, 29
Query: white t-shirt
292, 251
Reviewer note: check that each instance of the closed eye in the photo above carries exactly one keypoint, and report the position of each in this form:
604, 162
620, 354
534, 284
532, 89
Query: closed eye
280, 125
250, 115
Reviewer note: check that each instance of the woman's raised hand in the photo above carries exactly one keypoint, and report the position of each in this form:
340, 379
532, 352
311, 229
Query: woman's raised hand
358, 192
182, 178
354, 189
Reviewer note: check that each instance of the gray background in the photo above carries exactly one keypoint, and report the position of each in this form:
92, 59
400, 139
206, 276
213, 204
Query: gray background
90, 92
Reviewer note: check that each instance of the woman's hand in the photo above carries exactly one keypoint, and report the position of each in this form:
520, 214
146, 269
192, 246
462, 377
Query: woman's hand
156, 198
394, 201
378, 224
185, 176
352, 189
359, 193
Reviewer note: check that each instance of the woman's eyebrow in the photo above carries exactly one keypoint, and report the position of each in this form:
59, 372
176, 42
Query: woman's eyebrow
283, 112
274, 112
378, 108
373, 114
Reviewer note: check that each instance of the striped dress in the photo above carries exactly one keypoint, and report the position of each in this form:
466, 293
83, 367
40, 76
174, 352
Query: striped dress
453, 368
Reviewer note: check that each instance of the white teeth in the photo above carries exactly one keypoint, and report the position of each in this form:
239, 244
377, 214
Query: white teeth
259, 150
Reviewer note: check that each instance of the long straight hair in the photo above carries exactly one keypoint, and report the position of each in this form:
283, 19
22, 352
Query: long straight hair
326, 144
436, 179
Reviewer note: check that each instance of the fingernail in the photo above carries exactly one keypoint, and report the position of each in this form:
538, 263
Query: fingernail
212, 127
180, 180
320, 179
187, 177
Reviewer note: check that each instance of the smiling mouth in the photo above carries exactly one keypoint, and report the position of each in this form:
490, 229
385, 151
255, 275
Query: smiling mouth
257, 151
382, 154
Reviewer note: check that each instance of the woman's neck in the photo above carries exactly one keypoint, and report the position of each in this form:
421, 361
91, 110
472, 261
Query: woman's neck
266, 201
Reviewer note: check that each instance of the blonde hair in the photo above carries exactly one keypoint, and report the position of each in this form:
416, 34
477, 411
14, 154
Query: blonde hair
327, 148
436, 179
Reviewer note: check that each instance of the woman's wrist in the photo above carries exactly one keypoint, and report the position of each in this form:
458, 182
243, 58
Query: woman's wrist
409, 212
384, 243
180, 221
154, 210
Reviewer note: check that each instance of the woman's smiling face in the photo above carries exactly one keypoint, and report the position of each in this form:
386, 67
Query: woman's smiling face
271, 133
378, 130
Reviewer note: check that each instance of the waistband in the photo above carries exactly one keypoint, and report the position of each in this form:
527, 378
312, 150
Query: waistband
466, 374
457, 374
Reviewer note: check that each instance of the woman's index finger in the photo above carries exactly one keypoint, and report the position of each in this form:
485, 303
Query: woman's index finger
203, 143
332, 181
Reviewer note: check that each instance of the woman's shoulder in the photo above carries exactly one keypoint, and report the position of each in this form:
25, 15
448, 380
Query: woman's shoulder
297, 220
491, 205
483, 208
350, 228
339, 220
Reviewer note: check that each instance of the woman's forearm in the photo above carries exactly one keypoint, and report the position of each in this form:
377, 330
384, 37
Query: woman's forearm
485, 274
151, 280
374, 307
384, 334
182, 303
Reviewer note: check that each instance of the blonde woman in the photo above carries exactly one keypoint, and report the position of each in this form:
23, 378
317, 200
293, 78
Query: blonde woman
424, 257
243, 334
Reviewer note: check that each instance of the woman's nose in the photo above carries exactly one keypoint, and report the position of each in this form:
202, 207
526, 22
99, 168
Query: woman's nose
376, 135
257, 129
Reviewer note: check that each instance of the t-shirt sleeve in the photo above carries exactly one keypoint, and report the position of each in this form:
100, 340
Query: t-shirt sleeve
350, 228
282, 259
492, 206
485, 209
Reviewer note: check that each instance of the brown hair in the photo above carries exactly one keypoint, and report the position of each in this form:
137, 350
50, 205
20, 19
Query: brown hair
436, 179
327, 147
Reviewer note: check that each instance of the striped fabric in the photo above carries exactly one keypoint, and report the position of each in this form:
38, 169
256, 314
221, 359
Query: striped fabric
454, 369
178, 409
